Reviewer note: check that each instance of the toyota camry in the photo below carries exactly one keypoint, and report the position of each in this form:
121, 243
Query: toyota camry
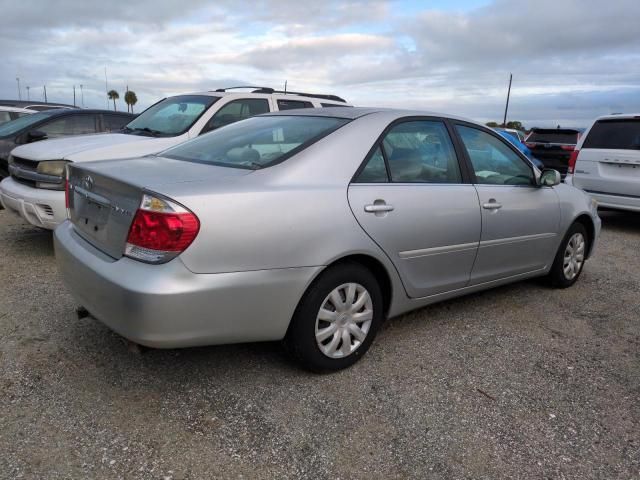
312, 227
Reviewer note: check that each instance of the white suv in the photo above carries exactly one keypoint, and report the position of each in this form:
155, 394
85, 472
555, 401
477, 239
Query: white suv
167, 123
606, 162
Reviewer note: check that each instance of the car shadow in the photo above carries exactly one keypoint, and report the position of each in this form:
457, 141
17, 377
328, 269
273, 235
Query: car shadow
620, 221
27, 240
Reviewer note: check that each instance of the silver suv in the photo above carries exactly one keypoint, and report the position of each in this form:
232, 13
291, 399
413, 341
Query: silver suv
606, 162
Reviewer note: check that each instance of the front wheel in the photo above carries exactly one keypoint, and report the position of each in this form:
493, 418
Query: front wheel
569, 261
337, 319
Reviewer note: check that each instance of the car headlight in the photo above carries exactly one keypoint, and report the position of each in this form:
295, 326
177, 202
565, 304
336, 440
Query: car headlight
594, 204
52, 167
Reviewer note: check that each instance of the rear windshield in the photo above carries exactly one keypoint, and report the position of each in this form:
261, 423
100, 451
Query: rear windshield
553, 136
623, 134
14, 126
257, 142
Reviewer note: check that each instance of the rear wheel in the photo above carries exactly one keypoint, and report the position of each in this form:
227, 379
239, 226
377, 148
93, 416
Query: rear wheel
570, 258
337, 319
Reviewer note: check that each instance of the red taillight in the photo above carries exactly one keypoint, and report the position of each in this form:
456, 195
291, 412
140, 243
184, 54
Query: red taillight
161, 230
568, 148
572, 161
530, 145
169, 232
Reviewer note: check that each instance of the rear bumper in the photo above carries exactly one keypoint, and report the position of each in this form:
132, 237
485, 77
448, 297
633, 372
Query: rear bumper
168, 306
40, 207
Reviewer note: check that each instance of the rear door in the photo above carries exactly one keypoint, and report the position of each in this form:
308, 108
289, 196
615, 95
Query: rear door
520, 220
414, 200
609, 159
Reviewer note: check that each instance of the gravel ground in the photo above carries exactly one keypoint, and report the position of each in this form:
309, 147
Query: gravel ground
518, 382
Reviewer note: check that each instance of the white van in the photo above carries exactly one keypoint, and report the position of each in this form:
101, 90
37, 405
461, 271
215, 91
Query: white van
606, 162
35, 189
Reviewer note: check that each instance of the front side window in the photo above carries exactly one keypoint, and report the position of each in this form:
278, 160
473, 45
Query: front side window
257, 142
493, 161
113, 123
292, 104
235, 111
5, 117
171, 116
622, 134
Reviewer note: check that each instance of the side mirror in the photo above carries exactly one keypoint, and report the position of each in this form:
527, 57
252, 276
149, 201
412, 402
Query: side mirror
35, 135
550, 178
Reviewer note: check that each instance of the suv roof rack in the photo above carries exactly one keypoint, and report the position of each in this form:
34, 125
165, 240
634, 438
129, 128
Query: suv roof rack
269, 90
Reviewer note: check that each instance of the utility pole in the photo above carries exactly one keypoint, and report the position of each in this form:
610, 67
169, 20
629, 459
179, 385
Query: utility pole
506, 108
81, 96
74, 95
45, 93
19, 93
28, 97
285, 86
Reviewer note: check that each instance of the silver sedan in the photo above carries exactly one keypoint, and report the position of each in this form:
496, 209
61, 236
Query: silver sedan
312, 227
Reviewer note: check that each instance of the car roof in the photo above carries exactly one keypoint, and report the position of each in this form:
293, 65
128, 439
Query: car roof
74, 111
27, 103
291, 95
352, 113
624, 116
6, 108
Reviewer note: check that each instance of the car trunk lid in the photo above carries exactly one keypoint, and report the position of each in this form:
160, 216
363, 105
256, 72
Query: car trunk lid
104, 196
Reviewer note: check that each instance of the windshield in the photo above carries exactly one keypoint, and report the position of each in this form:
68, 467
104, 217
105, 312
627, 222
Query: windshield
14, 126
171, 116
256, 142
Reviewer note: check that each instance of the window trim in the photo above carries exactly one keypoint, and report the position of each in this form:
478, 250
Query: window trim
467, 159
466, 178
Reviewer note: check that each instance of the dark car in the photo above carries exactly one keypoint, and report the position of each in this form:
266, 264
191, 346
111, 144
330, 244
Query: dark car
55, 124
553, 146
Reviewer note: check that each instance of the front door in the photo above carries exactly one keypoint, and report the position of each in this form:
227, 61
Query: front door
520, 220
411, 199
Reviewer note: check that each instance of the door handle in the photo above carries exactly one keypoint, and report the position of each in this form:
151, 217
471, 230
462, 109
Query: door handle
377, 208
492, 205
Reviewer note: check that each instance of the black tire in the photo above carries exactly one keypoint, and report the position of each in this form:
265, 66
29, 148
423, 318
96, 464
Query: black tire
556, 277
300, 340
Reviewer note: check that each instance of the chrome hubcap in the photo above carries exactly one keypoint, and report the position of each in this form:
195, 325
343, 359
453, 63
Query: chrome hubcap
573, 256
344, 320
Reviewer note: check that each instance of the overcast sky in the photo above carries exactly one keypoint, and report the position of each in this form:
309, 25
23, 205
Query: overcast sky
571, 59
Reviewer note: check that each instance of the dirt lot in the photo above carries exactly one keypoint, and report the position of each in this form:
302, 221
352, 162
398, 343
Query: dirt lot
518, 382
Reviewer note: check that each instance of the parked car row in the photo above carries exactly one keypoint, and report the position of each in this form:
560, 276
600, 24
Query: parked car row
34, 189
248, 217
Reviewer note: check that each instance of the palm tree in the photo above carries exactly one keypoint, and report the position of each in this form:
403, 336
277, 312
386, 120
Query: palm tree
130, 98
113, 95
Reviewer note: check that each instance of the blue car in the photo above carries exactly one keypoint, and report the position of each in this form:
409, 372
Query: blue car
521, 146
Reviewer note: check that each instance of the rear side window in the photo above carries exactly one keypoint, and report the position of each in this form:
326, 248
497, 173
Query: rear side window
414, 152
291, 104
623, 134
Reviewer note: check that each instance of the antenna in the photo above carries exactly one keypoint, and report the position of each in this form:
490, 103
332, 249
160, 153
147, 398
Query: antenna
506, 108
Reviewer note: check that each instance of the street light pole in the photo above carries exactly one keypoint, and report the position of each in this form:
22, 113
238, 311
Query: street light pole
28, 97
81, 96
19, 93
